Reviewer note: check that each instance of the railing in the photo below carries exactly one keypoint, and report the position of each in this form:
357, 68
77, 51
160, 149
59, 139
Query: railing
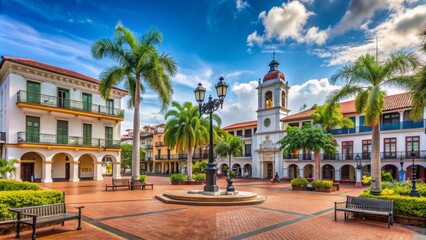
52, 101
2, 137
363, 156
148, 146
160, 144
24, 137
383, 127
183, 156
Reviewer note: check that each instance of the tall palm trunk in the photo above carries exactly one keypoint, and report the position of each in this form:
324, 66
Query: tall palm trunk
189, 165
375, 162
317, 167
136, 127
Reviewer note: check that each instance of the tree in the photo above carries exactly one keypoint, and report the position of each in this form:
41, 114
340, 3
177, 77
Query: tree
309, 137
232, 146
334, 119
419, 88
365, 79
7, 166
185, 130
139, 64
126, 155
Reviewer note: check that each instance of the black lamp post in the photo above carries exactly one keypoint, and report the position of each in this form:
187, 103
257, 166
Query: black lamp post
414, 192
358, 168
209, 107
402, 164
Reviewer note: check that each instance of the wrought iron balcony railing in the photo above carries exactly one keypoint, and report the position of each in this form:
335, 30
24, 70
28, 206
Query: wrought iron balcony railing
51, 139
363, 156
52, 101
383, 127
160, 144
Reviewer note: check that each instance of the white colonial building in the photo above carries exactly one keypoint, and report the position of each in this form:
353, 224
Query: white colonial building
56, 124
400, 138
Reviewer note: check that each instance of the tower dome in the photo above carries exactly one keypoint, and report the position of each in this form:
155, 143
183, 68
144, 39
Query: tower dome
273, 73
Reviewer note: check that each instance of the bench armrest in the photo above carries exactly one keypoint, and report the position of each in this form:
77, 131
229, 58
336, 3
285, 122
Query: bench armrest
339, 204
79, 207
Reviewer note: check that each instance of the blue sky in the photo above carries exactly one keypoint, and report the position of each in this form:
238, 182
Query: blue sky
208, 38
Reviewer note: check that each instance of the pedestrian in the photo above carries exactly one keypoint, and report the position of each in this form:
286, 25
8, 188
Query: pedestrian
276, 178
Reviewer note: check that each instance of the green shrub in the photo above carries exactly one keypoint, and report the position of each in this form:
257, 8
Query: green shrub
322, 184
386, 176
12, 185
26, 198
386, 185
199, 167
178, 177
142, 178
299, 182
366, 180
422, 188
404, 205
403, 191
199, 177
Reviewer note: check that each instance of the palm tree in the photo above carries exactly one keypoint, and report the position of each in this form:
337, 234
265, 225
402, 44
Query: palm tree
232, 146
419, 89
137, 63
309, 137
7, 166
365, 79
331, 121
186, 131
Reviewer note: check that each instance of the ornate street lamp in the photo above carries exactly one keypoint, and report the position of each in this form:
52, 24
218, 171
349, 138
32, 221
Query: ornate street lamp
414, 192
209, 107
358, 169
401, 162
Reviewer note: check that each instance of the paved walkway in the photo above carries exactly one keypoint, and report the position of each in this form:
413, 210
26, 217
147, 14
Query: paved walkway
286, 214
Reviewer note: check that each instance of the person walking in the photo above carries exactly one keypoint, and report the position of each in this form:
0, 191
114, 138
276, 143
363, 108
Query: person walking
276, 178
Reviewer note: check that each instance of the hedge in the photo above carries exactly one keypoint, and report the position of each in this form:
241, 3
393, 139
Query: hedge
322, 184
199, 177
12, 185
178, 177
26, 198
404, 205
299, 182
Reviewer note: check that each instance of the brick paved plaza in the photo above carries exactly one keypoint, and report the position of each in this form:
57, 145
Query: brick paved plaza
286, 214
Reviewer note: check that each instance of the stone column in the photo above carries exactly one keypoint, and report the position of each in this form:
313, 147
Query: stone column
97, 171
18, 171
116, 167
337, 175
301, 172
358, 177
47, 172
74, 171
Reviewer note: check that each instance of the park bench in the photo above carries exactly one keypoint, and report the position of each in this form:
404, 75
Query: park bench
138, 183
116, 183
366, 206
36, 216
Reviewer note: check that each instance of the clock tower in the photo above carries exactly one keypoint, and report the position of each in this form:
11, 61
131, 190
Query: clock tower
272, 107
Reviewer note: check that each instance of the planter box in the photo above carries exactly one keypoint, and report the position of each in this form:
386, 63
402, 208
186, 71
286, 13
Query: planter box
188, 183
297, 188
410, 220
323, 189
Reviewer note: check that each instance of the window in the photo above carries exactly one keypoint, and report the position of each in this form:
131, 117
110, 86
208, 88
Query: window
255, 130
247, 150
390, 118
366, 149
283, 99
32, 129
108, 136
87, 102
240, 133
63, 98
87, 134
268, 99
307, 154
62, 132
412, 144
247, 133
33, 92
295, 124
363, 128
348, 150
110, 106
390, 148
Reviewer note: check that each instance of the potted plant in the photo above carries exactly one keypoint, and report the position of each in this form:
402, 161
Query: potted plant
142, 178
199, 178
322, 185
299, 183
178, 178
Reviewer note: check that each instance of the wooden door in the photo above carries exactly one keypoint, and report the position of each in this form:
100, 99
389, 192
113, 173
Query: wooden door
67, 171
27, 171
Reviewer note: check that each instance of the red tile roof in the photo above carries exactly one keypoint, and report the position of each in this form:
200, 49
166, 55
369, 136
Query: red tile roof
50, 68
273, 75
241, 125
392, 102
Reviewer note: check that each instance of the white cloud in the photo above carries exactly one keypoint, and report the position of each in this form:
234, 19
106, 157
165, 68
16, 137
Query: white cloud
399, 32
191, 78
241, 5
309, 2
287, 22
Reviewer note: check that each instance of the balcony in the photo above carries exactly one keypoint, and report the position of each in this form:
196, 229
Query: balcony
160, 144
383, 127
2, 137
52, 103
363, 156
51, 139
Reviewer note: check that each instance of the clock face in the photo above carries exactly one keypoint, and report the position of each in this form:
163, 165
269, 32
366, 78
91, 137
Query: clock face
267, 122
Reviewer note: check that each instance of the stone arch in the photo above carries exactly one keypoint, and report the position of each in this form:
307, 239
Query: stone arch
237, 169
347, 173
86, 169
268, 100
392, 169
328, 172
248, 170
224, 169
293, 171
107, 164
308, 171
61, 168
366, 170
31, 166
420, 172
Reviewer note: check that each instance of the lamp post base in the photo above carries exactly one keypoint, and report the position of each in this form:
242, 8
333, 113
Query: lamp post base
414, 193
211, 179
